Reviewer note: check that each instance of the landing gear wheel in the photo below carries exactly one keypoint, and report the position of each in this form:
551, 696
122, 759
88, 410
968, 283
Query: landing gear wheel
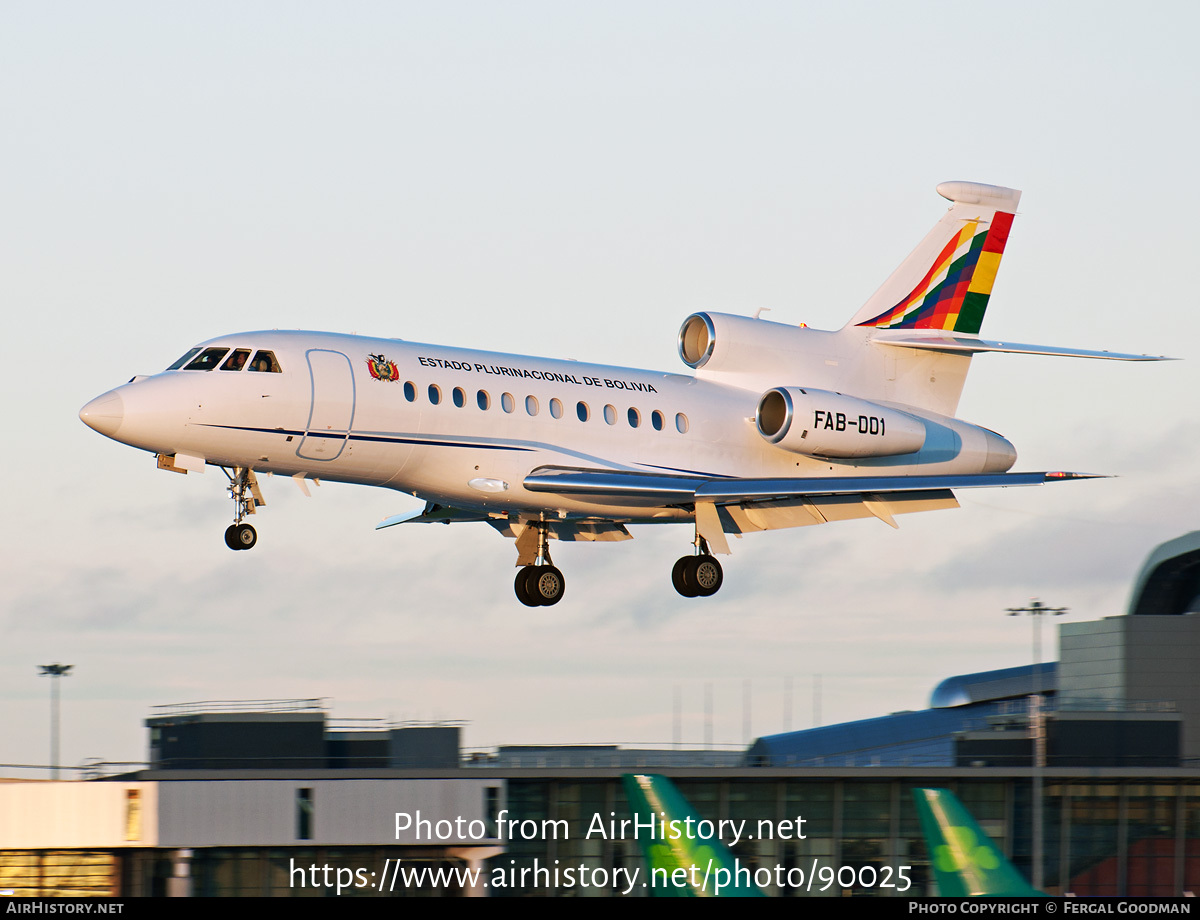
547, 585
522, 586
240, 536
697, 576
705, 575
678, 579
539, 586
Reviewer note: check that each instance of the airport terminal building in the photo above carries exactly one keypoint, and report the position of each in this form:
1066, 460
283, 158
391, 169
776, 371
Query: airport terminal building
275, 799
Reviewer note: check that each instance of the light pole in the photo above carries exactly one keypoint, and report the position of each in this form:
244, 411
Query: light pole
54, 672
1037, 725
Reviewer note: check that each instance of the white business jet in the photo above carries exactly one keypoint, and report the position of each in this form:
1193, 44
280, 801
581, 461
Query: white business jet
778, 426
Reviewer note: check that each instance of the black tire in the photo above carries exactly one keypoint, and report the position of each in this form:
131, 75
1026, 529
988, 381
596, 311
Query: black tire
705, 575
231, 536
547, 585
244, 536
678, 578
522, 589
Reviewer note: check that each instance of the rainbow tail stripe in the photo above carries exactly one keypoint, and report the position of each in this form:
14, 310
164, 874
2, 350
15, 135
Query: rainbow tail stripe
954, 292
946, 281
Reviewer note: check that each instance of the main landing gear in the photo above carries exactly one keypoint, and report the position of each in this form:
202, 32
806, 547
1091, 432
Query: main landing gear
243, 489
699, 575
240, 536
540, 584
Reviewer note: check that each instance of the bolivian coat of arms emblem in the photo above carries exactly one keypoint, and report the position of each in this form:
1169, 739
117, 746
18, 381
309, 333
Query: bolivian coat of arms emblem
382, 369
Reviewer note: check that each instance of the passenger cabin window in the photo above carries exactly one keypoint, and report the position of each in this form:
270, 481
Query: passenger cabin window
610, 414
237, 360
435, 394
483, 400
681, 423
410, 391
582, 410
209, 358
556, 407
191, 353
531, 405
635, 418
656, 419
507, 403
460, 398
264, 363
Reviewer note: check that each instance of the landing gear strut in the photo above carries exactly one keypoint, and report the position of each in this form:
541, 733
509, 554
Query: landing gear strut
699, 575
243, 489
540, 584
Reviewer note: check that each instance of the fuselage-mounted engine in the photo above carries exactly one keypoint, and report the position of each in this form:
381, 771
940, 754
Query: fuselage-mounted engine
819, 423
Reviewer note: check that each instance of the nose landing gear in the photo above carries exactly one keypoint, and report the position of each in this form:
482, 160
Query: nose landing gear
243, 489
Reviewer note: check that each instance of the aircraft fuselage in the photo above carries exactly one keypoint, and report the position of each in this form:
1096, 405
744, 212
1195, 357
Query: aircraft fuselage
464, 427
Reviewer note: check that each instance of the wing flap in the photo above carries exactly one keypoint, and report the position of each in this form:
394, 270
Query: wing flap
750, 517
568, 531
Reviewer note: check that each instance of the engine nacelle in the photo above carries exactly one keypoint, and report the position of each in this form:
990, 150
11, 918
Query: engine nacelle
819, 423
718, 343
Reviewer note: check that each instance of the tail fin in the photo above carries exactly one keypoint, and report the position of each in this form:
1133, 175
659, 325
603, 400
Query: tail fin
674, 844
946, 281
965, 861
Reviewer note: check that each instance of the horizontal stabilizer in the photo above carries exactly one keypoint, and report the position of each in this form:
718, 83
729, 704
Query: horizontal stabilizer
969, 344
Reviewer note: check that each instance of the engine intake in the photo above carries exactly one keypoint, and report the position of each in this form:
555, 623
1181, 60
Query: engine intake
697, 336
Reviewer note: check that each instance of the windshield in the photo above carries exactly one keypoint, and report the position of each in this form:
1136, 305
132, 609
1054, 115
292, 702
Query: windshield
184, 360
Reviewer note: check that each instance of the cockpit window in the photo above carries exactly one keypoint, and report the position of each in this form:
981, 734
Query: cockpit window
237, 360
209, 358
184, 360
264, 362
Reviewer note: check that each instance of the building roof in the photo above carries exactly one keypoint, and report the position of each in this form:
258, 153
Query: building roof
1001, 684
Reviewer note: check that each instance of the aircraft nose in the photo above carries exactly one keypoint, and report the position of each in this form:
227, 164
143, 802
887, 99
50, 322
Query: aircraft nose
104, 413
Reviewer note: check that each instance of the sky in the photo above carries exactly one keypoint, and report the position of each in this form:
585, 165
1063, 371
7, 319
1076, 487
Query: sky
570, 180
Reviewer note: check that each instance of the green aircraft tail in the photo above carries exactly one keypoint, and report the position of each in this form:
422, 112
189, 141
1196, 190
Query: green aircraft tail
965, 861
679, 862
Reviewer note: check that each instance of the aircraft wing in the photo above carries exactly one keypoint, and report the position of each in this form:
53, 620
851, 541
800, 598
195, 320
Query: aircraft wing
740, 506
970, 344
674, 490
433, 513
